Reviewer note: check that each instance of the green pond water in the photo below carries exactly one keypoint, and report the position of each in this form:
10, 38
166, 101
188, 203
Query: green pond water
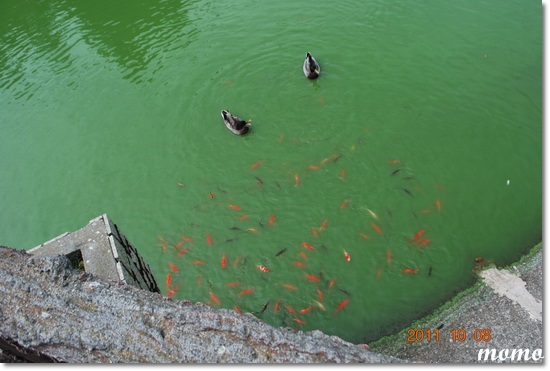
426, 121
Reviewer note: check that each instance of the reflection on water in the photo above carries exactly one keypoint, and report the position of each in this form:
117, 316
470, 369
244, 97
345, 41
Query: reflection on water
357, 202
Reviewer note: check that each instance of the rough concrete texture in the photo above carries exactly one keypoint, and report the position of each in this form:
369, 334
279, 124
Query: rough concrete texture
477, 309
50, 309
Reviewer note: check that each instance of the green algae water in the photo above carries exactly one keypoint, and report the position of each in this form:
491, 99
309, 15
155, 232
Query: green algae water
358, 201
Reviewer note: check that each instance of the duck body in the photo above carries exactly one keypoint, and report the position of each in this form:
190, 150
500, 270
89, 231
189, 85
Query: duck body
235, 124
311, 68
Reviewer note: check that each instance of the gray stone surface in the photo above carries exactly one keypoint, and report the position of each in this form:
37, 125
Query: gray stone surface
478, 308
48, 308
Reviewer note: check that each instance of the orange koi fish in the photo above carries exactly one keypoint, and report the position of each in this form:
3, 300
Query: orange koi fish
183, 251
305, 310
172, 292
388, 256
235, 207
168, 280
199, 281
247, 291
211, 195
197, 262
209, 239
299, 321
173, 267
364, 236
312, 277
289, 287
479, 259
299, 264
419, 234
410, 271
186, 239
347, 256
296, 180
163, 244
237, 309
178, 245
393, 162
243, 217
224, 262
272, 219
263, 268
214, 298
323, 224
331, 283
256, 164
276, 307
376, 228
438, 205
344, 204
342, 305
308, 246
290, 309
303, 255
234, 284
423, 242
320, 295
313, 167
314, 232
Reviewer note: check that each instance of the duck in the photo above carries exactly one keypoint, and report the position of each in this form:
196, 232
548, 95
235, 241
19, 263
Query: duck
311, 67
235, 124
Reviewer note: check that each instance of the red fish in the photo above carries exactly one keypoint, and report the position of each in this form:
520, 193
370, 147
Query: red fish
234, 284
183, 251
244, 217
410, 270
289, 286
209, 239
186, 239
276, 307
479, 259
290, 309
423, 242
314, 232
299, 264
262, 268
347, 256
237, 309
214, 298
342, 305
272, 219
308, 246
235, 207
178, 245
313, 167
312, 277
388, 256
323, 225
246, 291
256, 164
199, 281
438, 205
419, 234
303, 255
305, 310
299, 321
173, 267
172, 291
168, 280
197, 262
224, 261
344, 204
376, 228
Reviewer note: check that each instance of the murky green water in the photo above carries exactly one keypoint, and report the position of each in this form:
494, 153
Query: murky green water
427, 117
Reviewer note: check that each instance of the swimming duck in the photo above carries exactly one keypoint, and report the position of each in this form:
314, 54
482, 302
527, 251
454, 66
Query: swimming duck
235, 124
311, 67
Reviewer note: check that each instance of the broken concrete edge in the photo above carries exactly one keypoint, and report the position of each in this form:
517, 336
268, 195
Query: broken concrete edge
391, 344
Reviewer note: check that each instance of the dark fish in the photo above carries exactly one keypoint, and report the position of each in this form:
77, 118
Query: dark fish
235, 229
336, 158
430, 271
344, 291
407, 191
264, 307
440, 327
281, 252
395, 171
260, 182
232, 239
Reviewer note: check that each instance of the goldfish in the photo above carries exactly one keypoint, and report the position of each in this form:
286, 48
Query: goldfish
289, 286
303, 255
247, 291
172, 291
234, 284
479, 259
236, 261
211, 195
299, 264
331, 283
183, 251
263, 268
419, 234
388, 256
312, 277
438, 205
342, 305
379, 273
290, 309
272, 219
299, 321
197, 262
173, 267
214, 298
209, 239
243, 217
235, 207
256, 164
323, 224
393, 162
305, 310
320, 295
314, 232
347, 256
237, 309
376, 228
344, 204
199, 281
313, 167
319, 305
308, 246
410, 270
423, 242
276, 306
168, 280
186, 239
296, 180
178, 245
224, 261
364, 236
